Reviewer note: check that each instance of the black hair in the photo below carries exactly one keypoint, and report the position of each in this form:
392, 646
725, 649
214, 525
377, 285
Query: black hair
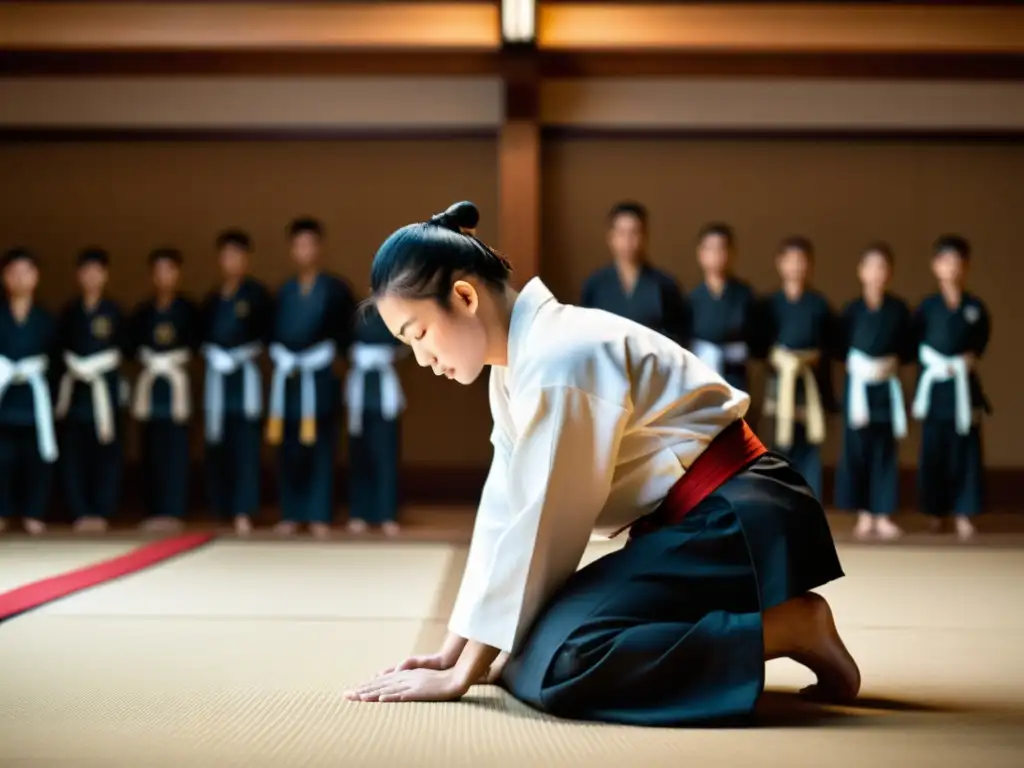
305, 225
882, 248
420, 261
628, 208
165, 254
797, 243
956, 243
236, 238
18, 254
93, 255
719, 228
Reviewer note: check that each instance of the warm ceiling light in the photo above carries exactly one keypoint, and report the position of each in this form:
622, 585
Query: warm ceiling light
518, 21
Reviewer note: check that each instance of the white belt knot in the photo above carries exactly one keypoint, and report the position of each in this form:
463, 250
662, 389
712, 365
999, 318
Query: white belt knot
32, 371
169, 366
937, 368
365, 358
862, 370
221, 363
791, 365
306, 363
717, 356
91, 370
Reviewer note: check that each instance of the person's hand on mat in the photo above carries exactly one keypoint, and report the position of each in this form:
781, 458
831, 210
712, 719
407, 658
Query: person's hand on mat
411, 685
436, 661
443, 659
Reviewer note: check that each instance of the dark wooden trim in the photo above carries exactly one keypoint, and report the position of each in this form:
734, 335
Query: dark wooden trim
753, 64
148, 63
388, 133
658, 133
477, 63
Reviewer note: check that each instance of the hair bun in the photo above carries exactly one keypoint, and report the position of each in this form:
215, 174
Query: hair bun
459, 217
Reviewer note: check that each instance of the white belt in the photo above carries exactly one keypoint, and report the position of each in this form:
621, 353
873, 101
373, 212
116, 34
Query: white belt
91, 370
717, 356
366, 358
171, 367
307, 363
862, 370
939, 367
220, 363
792, 365
32, 371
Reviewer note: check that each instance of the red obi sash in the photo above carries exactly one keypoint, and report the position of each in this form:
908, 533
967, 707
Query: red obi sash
734, 449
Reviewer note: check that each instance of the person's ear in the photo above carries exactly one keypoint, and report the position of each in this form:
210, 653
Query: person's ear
466, 296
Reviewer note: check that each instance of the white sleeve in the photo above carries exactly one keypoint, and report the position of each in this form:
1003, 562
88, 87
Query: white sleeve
525, 545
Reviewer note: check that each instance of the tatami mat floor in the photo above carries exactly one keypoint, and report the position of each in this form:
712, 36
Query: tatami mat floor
238, 653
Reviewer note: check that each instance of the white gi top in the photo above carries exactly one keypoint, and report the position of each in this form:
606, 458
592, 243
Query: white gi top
595, 419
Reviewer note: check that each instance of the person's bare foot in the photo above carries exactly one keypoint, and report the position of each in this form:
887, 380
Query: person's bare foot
804, 630
391, 528
965, 529
286, 528
243, 525
887, 530
33, 527
865, 526
86, 525
320, 530
356, 525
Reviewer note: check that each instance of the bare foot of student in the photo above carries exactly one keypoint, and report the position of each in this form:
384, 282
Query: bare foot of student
887, 530
91, 525
356, 526
865, 526
391, 529
243, 525
33, 527
965, 529
320, 530
804, 630
286, 528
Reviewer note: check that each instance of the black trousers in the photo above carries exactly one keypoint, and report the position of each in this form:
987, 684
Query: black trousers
91, 471
868, 474
667, 631
373, 479
950, 475
165, 458
307, 473
233, 470
25, 479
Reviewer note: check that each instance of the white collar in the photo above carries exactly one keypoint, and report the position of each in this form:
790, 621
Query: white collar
529, 302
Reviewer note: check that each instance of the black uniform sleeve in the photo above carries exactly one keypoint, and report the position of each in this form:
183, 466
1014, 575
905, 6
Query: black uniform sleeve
343, 316
981, 331
678, 319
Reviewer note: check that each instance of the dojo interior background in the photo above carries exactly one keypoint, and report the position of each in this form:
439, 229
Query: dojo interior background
133, 160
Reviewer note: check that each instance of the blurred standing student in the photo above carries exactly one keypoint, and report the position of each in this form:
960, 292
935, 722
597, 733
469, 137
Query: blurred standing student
28, 445
799, 339
723, 307
91, 334
312, 326
237, 318
163, 335
375, 401
630, 286
952, 331
876, 337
